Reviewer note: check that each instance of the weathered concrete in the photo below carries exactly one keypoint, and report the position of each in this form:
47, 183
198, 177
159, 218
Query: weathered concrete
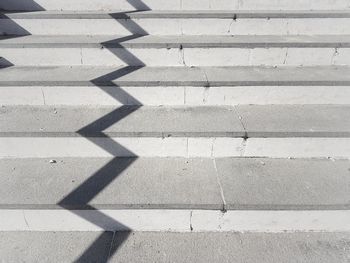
240, 121
169, 183
173, 14
298, 148
62, 246
175, 5
176, 26
176, 76
176, 183
152, 41
160, 247
226, 247
178, 220
172, 95
261, 184
156, 57
118, 122
177, 50
295, 121
50, 147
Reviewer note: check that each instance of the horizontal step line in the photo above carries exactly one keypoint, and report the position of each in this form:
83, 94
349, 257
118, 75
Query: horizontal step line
169, 206
175, 220
22, 147
204, 134
176, 14
79, 41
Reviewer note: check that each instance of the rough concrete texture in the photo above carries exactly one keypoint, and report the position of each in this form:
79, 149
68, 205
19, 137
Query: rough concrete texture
228, 247
54, 246
127, 121
175, 5
173, 95
290, 121
284, 184
165, 247
152, 41
124, 121
176, 26
176, 76
176, 183
176, 57
117, 183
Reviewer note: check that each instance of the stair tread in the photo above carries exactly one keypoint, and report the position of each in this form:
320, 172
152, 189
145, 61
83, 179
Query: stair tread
158, 247
128, 121
225, 14
175, 76
243, 41
175, 183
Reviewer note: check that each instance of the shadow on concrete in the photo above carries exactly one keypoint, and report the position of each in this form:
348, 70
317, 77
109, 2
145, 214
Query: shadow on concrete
78, 200
20, 5
84, 193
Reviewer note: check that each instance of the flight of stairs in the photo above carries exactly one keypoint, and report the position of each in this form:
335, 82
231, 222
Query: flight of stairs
175, 131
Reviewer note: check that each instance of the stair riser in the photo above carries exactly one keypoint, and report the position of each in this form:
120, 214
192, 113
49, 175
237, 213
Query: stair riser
192, 96
177, 57
23, 147
161, 26
174, 4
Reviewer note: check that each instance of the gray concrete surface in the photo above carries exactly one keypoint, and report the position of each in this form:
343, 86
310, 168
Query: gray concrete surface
176, 76
173, 183
128, 121
119, 122
54, 246
295, 121
175, 247
119, 183
232, 247
151, 41
284, 184
222, 14
174, 5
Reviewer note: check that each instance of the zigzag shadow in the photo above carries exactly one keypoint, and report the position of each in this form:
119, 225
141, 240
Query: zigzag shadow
78, 200
84, 193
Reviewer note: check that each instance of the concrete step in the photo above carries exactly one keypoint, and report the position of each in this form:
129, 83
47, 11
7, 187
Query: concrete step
175, 183
303, 247
59, 147
175, 76
176, 23
174, 85
173, 5
128, 121
176, 50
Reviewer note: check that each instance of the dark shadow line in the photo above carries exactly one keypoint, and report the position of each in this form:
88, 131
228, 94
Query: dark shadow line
90, 188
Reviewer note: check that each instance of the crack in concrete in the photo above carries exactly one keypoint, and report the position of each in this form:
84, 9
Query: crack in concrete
25, 219
286, 56
191, 226
43, 95
207, 80
240, 118
224, 210
182, 54
81, 56
230, 25
335, 54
